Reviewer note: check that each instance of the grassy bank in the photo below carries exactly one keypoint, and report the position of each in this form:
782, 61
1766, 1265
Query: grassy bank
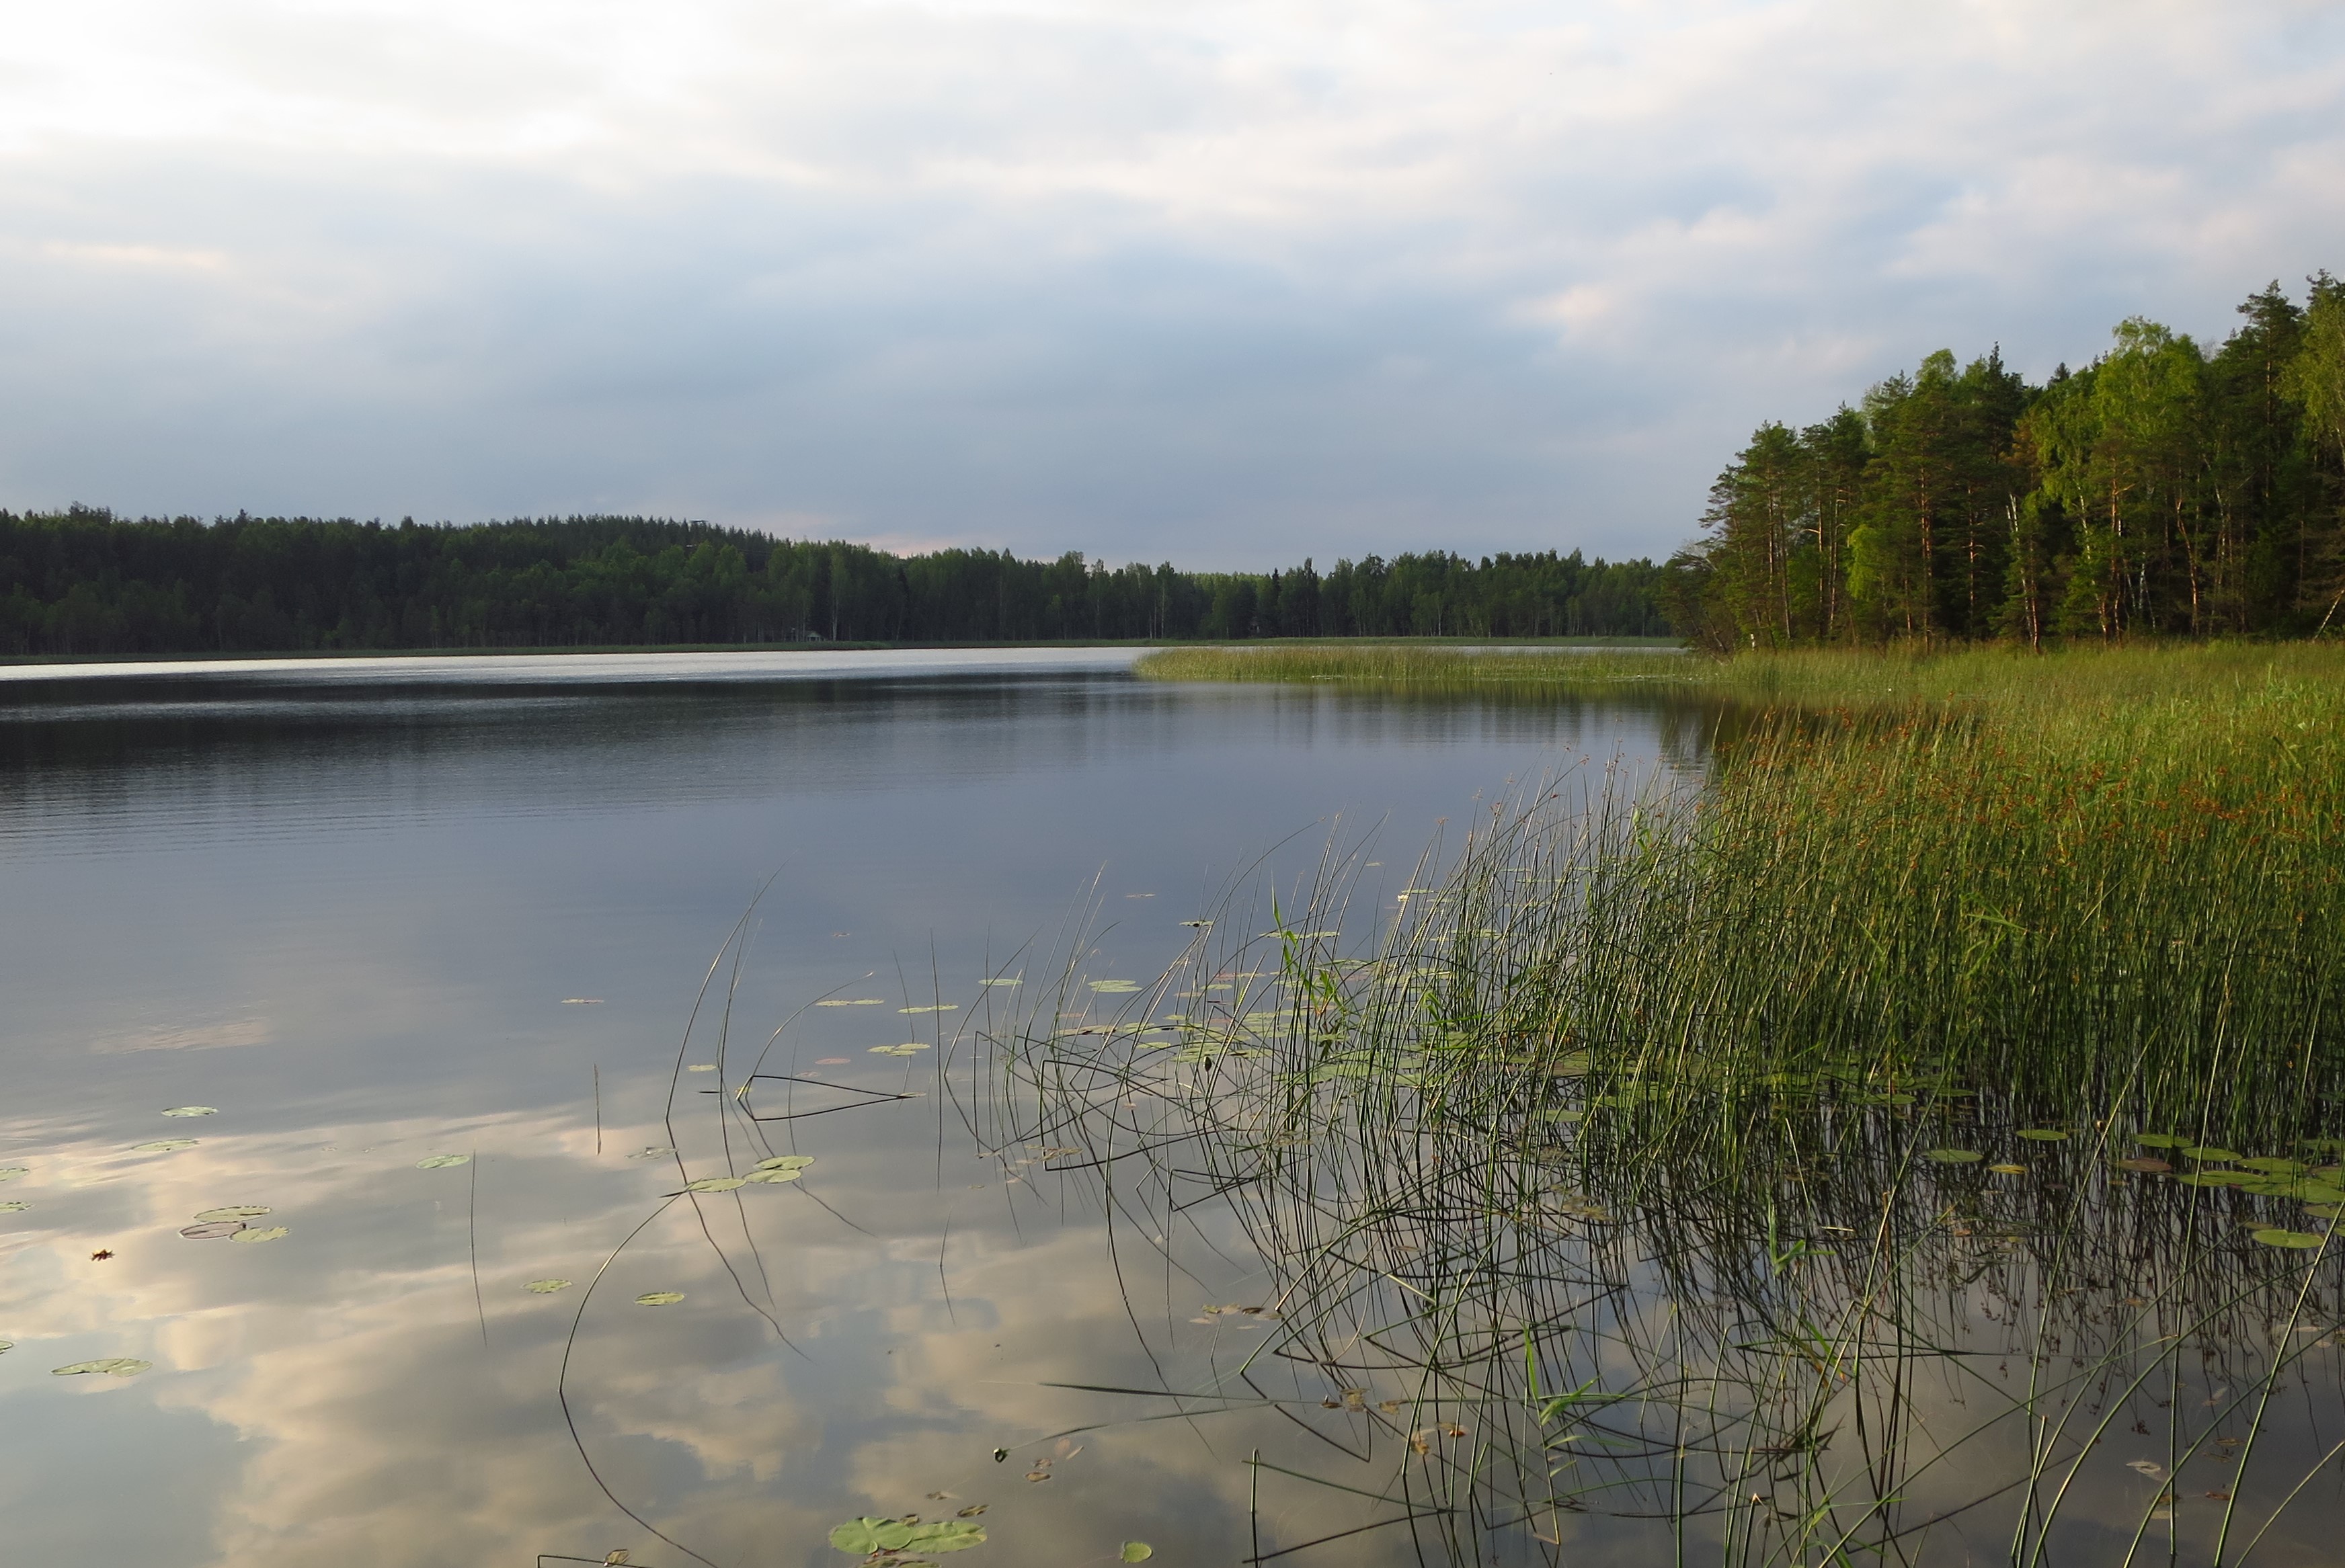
1970, 1009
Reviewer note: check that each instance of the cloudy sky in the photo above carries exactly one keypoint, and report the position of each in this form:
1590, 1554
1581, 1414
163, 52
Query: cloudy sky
1226, 284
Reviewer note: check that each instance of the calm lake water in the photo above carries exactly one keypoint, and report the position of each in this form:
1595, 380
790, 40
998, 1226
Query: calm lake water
376, 912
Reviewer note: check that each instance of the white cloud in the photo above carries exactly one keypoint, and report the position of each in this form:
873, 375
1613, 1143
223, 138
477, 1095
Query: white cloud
1228, 283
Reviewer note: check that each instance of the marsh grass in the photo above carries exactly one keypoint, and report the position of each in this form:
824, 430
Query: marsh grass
1640, 1161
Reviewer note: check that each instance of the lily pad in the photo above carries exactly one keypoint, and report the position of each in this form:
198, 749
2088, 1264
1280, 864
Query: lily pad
193, 1110
2276, 1166
233, 1211
2204, 1151
2213, 1178
14, 1207
271, 1234
787, 1162
7, 1346
908, 1048
1114, 987
2007, 1169
442, 1161
2161, 1141
2298, 1239
112, 1366
701, 1067
546, 1287
790, 1174
1008, 982
939, 1008
2145, 1165
2041, 1134
867, 1536
211, 1230
715, 1184
10, 1172
163, 1146
1953, 1156
659, 1298
854, 1002
1137, 1552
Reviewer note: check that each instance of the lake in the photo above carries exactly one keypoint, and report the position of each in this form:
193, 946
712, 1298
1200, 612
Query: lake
381, 914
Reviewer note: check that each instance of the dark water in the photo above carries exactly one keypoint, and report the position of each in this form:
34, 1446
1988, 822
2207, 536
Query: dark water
375, 912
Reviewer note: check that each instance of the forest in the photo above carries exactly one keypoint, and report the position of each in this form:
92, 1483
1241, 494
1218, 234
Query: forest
2163, 490
86, 582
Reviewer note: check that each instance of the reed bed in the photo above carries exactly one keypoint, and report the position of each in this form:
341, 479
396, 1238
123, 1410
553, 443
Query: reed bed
1914, 1139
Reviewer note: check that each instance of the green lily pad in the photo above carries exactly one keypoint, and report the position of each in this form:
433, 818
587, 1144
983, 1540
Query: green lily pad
939, 1008
1953, 1156
2161, 1141
163, 1146
908, 1048
10, 1172
271, 1234
787, 1162
1009, 982
2325, 1210
546, 1287
14, 1207
2204, 1151
211, 1230
2298, 1239
2276, 1166
715, 1184
659, 1298
867, 1536
2213, 1178
2006, 1169
193, 1110
854, 1002
233, 1211
790, 1173
1137, 1552
112, 1366
7, 1346
442, 1161
2041, 1134
1114, 986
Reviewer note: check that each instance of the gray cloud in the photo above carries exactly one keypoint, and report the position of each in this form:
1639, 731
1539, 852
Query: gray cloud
1227, 286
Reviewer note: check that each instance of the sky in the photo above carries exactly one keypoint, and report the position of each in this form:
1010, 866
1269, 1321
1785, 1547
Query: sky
1221, 284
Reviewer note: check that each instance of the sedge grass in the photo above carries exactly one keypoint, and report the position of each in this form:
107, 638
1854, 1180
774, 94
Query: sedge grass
1641, 1162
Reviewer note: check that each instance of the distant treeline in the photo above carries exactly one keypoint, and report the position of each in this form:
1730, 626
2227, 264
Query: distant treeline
86, 581
2163, 490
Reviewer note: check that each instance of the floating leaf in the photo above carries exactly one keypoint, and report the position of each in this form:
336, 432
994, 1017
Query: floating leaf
2325, 1210
14, 1207
715, 1184
546, 1287
1009, 982
2041, 1134
2148, 1467
7, 1346
908, 1048
792, 1174
939, 1008
1953, 1156
870, 1536
2008, 1169
10, 1172
163, 1146
651, 1153
1196, 925
2204, 1151
2276, 1166
2143, 1163
787, 1162
2161, 1141
442, 1161
112, 1366
1137, 1552
211, 1230
659, 1298
233, 1211
1115, 987
2212, 1179
854, 1002
193, 1110
271, 1234
2298, 1239
701, 1067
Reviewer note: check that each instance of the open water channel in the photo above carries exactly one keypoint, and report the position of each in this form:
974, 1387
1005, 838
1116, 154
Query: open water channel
418, 941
